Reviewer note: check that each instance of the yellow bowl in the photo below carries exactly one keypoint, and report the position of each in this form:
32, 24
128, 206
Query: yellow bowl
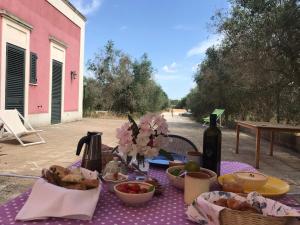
273, 188
250, 180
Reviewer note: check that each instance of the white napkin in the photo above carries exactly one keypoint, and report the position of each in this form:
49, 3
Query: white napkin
48, 200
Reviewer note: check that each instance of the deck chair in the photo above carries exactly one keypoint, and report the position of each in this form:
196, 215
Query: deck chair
218, 112
13, 128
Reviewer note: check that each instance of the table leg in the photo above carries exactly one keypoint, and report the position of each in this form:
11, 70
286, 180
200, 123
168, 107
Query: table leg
271, 143
257, 148
237, 139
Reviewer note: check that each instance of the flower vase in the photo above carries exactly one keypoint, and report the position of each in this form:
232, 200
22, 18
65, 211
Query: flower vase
128, 159
143, 163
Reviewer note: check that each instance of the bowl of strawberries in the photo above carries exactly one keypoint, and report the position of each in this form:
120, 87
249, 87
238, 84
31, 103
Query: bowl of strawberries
134, 192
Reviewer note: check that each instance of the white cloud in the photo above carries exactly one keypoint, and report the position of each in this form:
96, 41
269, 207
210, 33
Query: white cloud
202, 46
86, 6
172, 68
123, 28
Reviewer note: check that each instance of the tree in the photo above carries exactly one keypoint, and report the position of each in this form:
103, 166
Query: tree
181, 104
92, 94
254, 73
126, 85
148, 95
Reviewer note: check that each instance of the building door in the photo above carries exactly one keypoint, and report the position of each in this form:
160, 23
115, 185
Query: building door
56, 91
15, 78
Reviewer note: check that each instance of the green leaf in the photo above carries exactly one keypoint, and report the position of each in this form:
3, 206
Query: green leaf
151, 188
176, 172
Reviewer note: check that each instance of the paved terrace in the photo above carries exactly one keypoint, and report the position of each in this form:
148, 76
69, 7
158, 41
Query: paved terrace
62, 141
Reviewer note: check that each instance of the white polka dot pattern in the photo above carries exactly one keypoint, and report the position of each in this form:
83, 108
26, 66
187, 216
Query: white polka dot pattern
163, 210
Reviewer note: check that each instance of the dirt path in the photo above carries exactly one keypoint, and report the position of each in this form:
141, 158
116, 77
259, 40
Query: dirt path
62, 141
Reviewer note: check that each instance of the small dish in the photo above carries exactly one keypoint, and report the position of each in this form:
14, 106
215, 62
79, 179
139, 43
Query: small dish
176, 181
111, 181
163, 162
250, 180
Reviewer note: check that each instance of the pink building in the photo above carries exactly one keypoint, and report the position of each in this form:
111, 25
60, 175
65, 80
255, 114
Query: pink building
42, 59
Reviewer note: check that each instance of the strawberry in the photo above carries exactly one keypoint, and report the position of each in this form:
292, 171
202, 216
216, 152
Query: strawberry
126, 185
135, 187
144, 190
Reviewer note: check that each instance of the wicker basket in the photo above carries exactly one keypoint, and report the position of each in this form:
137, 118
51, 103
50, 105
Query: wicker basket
107, 156
234, 217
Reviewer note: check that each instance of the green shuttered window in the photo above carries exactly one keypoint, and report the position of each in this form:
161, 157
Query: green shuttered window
56, 91
15, 78
33, 63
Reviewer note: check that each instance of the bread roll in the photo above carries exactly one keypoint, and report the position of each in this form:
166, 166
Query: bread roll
72, 178
59, 171
90, 183
66, 178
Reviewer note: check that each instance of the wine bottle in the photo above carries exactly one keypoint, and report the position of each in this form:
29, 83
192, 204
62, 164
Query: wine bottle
212, 139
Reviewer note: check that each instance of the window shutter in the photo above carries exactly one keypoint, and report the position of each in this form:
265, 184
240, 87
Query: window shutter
33, 63
56, 91
15, 78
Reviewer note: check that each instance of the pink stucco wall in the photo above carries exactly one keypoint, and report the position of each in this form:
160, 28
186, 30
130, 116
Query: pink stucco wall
47, 20
0, 43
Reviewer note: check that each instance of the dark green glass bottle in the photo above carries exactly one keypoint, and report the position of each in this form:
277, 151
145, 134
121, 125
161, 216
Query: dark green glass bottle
212, 139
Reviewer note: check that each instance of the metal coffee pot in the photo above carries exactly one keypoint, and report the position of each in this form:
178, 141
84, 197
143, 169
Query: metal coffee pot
91, 159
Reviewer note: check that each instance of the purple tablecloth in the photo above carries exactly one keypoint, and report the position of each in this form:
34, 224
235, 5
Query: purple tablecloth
166, 209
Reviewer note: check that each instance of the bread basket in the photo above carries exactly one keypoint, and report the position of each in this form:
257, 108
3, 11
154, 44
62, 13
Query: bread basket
210, 207
235, 217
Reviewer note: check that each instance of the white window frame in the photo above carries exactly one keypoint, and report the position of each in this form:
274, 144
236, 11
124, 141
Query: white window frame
14, 33
58, 53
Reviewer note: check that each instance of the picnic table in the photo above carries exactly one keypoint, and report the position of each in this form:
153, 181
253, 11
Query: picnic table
166, 209
259, 127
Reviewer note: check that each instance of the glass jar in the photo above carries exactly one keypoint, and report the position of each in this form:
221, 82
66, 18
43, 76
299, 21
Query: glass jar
112, 167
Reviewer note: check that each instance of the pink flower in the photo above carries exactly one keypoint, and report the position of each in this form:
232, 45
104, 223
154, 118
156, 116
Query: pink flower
124, 134
142, 140
147, 119
150, 139
161, 125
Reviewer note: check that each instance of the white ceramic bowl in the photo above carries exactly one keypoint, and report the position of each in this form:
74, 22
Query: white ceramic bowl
111, 182
175, 180
179, 181
135, 199
250, 180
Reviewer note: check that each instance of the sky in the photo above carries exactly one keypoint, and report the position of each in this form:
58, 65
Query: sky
174, 33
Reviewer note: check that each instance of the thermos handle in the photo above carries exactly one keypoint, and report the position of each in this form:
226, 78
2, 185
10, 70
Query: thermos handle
82, 141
